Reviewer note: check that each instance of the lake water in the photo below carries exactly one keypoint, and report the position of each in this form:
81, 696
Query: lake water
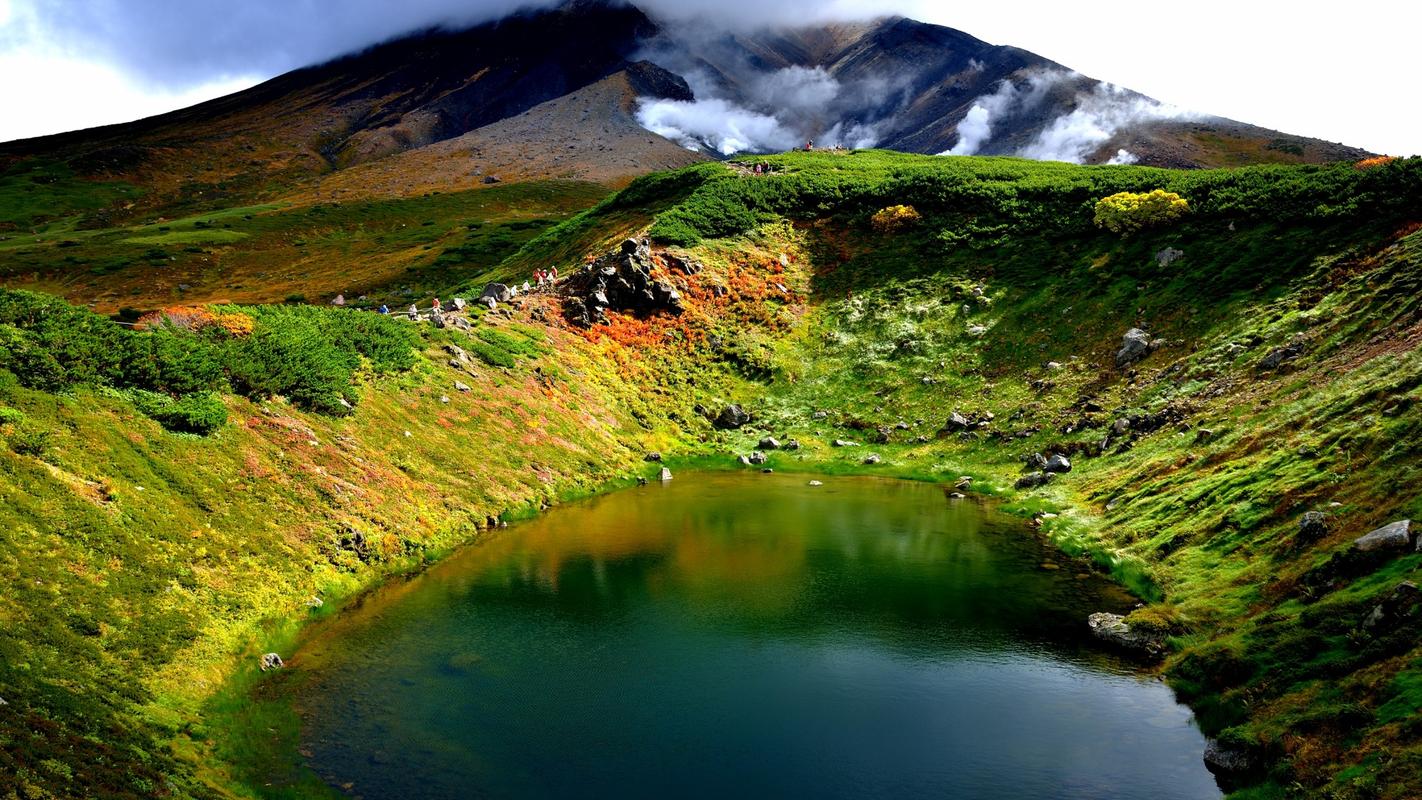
732, 635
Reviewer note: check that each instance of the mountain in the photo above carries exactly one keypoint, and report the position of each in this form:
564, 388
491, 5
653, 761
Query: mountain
566, 93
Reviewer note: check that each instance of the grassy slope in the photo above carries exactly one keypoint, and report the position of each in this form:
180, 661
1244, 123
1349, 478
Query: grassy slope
820, 313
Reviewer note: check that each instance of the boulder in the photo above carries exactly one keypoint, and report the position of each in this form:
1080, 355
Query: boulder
1313, 525
1168, 256
652, 456
498, 291
1135, 345
1032, 480
820, 415
872, 459
489, 303
665, 474
1037, 461
963, 483
1403, 604
1395, 536
1121, 427
732, 417
744, 460
956, 423
816, 483
1112, 628
843, 443
1229, 760
791, 444
1057, 463
881, 435
271, 661
757, 458
463, 387
769, 443
1281, 355
619, 281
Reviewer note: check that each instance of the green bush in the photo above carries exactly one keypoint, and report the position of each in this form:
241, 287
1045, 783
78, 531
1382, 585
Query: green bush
201, 413
11, 416
30, 441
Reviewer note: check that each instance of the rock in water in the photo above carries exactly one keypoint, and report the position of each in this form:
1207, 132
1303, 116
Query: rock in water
1229, 761
272, 661
1135, 345
1392, 536
1113, 628
666, 474
732, 417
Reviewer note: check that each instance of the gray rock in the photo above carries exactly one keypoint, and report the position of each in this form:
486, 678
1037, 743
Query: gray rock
732, 417
1135, 345
1037, 461
963, 483
956, 423
816, 483
1058, 464
1032, 480
820, 415
976, 330
1113, 628
1392, 536
769, 443
463, 387
843, 443
497, 291
872, 459
1404, 603
665, 474
1229, 760
1121, 426
758, 457
460, 357
1281, 355
272, 661
791, 444
1169, 256
489, 303
444, 398
1313, 525
766, 471
744, 460
652, 456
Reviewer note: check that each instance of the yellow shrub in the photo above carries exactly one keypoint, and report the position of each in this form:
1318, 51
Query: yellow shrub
1128, 212
1375, 161
895, 218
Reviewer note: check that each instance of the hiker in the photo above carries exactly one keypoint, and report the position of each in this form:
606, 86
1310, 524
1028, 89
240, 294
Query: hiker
436, 308
414, 313
810, 145
384, 309
553, 273
539, 277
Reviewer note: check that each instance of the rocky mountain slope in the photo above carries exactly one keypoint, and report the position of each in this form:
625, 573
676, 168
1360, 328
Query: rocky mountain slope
484, 92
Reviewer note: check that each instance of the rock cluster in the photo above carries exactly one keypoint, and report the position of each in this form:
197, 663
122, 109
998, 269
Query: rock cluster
1113, 628
619, 281
1136, 344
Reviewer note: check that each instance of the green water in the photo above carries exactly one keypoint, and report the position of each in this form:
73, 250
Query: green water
744, 636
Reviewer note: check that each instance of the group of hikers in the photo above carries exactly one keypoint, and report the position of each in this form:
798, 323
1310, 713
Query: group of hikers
541, 278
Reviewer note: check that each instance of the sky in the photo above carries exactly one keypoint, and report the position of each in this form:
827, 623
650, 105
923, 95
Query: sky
1341, 72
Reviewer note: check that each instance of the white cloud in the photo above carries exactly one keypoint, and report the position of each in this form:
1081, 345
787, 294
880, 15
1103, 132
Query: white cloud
716, 125
1098, 116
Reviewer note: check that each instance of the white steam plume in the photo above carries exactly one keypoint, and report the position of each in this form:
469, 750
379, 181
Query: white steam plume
1099, 114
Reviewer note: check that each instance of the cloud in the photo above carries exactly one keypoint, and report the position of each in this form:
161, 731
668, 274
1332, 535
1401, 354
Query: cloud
716, 125
176, 44
1009, 98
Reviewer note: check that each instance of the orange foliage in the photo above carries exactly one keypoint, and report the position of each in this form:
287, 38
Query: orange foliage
192, 318
1375, 161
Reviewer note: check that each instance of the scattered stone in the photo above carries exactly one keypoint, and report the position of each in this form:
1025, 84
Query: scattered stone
463, 387
758, 457
665, 474
791, 444
963, 483
1393, 536
652, 456
1057, 463
314, 602
1121, 427
769, 443
1204, 435
444, 398
976, 330
1054, 365
956, 423
820, 415
641, 481
489, 303
732, 417
956, 496
1405, 603
872, 459
881, 435
816, 483
1281, 355
1136, 344
843, 443
1032, 480
1037, 461
767, 471
272, 661
745, 460
490, 179
1313, 525
1169, 256
1113, 628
